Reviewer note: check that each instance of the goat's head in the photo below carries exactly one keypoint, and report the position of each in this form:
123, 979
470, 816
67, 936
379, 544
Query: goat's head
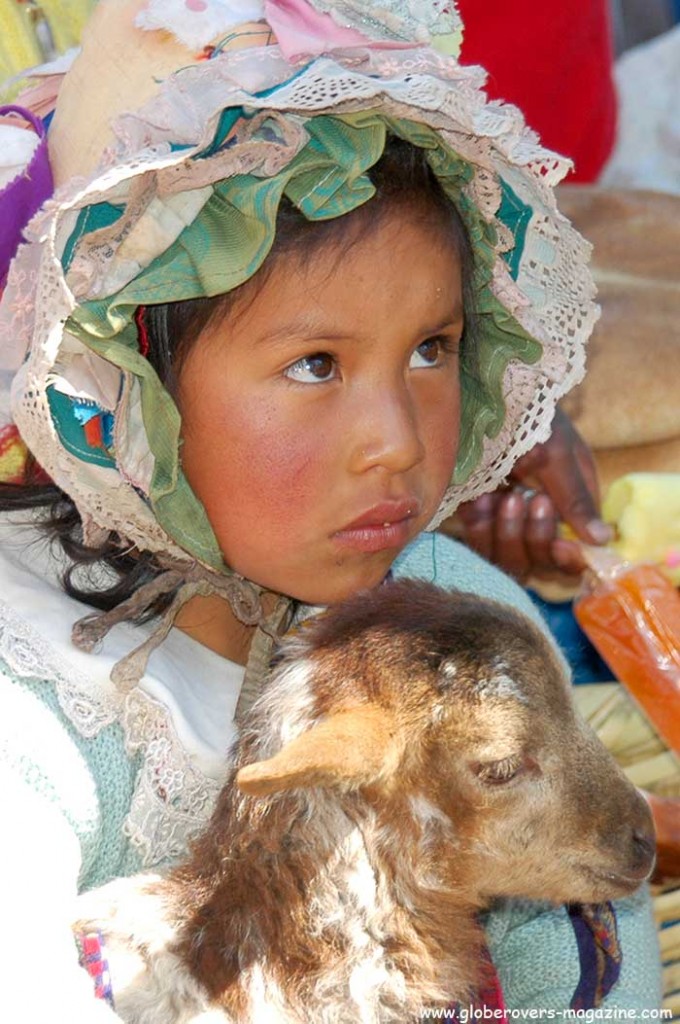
459, 709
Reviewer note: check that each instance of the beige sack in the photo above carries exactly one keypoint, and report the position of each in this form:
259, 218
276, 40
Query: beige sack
628, 406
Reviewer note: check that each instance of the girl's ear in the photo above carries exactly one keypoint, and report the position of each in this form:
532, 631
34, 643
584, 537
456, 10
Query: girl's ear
348, 749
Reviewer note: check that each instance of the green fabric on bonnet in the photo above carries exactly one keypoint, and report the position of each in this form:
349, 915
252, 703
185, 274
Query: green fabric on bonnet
227, 243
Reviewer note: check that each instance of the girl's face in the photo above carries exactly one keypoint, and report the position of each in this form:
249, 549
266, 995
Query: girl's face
320, 417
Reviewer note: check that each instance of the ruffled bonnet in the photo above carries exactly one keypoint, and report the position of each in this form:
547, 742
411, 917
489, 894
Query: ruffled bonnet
178, 129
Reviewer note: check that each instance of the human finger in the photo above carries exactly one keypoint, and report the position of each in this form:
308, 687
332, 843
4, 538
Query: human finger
567, 556
477, 518
574, 489
590, 530
563, 467
509, 547
540, 531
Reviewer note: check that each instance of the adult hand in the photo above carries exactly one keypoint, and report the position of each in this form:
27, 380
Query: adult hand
516, 526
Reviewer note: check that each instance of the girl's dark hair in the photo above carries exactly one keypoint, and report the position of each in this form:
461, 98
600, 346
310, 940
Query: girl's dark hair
402, 179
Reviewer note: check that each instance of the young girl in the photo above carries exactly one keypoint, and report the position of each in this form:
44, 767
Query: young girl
315, 293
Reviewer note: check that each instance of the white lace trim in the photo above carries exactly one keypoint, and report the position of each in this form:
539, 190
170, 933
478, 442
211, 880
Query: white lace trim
28, 655
173, 799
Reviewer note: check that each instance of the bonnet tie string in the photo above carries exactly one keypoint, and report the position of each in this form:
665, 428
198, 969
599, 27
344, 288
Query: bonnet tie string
260, 655
243, 596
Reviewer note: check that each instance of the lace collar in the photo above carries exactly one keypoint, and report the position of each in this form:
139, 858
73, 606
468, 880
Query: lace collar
180, 717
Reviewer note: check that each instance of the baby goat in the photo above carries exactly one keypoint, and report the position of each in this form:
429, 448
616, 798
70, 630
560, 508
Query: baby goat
416, 754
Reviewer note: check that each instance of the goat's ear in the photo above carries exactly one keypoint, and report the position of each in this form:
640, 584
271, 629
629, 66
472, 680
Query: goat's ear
349, 749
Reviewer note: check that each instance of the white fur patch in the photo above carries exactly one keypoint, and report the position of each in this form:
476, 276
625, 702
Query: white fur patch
287, 706
500, 685
449, 669
267, 1005
150, 984
426, 814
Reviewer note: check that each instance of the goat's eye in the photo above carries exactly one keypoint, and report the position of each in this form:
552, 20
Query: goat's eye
498, 773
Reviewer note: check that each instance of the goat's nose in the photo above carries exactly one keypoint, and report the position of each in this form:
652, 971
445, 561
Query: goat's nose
644, 852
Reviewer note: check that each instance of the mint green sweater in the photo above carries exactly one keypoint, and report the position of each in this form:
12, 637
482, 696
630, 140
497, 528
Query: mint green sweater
97, 786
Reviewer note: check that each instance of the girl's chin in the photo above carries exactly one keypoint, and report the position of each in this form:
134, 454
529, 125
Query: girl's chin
335, 583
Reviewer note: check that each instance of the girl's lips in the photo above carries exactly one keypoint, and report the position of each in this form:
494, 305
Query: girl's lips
385, 526
376, 538
385, 514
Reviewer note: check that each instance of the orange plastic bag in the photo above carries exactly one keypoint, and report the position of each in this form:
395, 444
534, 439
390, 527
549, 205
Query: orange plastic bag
631, 614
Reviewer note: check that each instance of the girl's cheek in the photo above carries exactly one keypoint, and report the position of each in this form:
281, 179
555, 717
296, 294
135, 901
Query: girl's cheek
281, 466
442, 428
443, 462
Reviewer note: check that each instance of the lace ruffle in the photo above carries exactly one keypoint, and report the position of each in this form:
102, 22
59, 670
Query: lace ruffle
173, 799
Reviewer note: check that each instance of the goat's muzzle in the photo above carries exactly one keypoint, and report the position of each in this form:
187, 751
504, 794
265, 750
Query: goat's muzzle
644, 853
635, 862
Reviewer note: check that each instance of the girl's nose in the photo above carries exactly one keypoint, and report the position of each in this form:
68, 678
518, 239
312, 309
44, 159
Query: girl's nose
386, 433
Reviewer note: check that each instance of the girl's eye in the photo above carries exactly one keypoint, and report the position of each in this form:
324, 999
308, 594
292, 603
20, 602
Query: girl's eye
314, 369
431, 352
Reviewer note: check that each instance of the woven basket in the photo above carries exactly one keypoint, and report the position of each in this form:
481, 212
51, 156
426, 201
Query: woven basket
648, 763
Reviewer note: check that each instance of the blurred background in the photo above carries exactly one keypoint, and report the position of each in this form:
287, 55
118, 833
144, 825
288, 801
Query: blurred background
636, 21
37, 30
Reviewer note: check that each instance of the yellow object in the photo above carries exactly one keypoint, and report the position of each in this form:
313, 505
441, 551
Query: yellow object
450, 44
19, 47
647, 762
645, 509
32, 32
13, 455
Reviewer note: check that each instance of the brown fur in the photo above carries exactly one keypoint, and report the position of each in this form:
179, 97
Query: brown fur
434, 693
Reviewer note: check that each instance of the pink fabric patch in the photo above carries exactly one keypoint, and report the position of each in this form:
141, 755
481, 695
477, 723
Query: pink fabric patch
490, 995
673, 559
195, 5
302, 31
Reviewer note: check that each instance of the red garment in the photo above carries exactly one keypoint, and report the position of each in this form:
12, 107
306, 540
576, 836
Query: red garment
554, 61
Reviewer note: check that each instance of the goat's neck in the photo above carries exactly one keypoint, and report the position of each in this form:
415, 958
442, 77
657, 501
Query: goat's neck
321, 893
